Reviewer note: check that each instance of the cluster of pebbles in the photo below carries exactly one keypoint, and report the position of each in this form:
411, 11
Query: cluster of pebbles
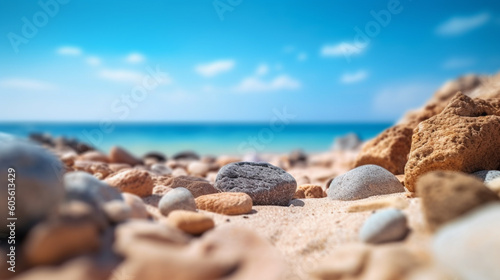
419, 201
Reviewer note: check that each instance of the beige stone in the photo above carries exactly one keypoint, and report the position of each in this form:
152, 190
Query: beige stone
190, 222
309, 191
120, 155
137, 206
133, 181
227, 203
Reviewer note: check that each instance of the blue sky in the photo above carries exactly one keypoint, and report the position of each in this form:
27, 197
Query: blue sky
236, 60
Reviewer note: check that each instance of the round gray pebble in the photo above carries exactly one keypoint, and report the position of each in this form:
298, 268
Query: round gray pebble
37, 176
266, 184
177, 199
87, 188
384, 226
487, 175
362, 182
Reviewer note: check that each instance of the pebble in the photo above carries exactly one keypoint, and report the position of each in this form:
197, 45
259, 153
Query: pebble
494, 185
197, 186
186, 155
309, 191
137, 206
94, 156
120, 155
161, 169
447, 195
190, 222
265, 183
39, 189
199, 169
384, 226
117, 211
225, 203
177, 199
133, 181
469, 247
362, 182
84, 187
487, 175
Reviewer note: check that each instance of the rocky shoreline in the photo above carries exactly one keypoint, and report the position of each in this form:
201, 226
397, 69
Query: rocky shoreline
419, 201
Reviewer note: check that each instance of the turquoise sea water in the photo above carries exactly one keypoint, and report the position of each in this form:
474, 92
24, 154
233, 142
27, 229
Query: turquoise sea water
203, 138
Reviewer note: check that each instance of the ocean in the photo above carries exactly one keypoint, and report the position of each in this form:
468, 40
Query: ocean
203, 138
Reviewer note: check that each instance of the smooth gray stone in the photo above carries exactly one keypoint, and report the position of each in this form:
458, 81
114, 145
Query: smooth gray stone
384, 226
362, 182
38, 182
177, 199
469, 247
265, 183
87, 188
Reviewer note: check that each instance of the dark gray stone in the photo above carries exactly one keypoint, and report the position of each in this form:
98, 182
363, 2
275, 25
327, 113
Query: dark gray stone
266, 184
177, 199
38, 182
386, 225
487, 175
362, 182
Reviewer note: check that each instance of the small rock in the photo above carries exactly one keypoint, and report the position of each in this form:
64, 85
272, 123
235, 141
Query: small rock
469, 247
37, 175
446, 195
487, 175
197, 186
186, 155
384, 226
137, 206
133, 181
363, 182
179, 172
120, 155
265, 183
161, 190
297, 158
177, 199
197, 168
157, 156
309, 191
93, 167
117, 211
494, 186
225, 203
85, 187
161, 169
190, 222
118, 166
94, 156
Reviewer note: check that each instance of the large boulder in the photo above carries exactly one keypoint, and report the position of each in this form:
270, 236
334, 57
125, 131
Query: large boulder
464, 137
389, 149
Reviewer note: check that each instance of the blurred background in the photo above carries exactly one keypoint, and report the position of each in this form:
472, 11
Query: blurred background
232, 76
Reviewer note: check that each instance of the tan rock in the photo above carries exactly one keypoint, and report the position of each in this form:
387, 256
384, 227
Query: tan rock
120, 155
347, 261
133, 181
447, 195
225, 203
197, 186
137, 206
55, 241
117, 211
94, 156
179, 171
494, 185
309, 191
389, 149
372, 205
199, 169
119, 166
464, 137
190, 222
93, 167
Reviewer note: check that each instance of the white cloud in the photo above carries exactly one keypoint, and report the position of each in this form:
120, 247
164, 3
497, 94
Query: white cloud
460, 25
262, 70
458, 62
302, 56
93, 60
135, 58
120, 75
214, 68
69, 50
255, 84
349, 78
343, 48
26, 84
